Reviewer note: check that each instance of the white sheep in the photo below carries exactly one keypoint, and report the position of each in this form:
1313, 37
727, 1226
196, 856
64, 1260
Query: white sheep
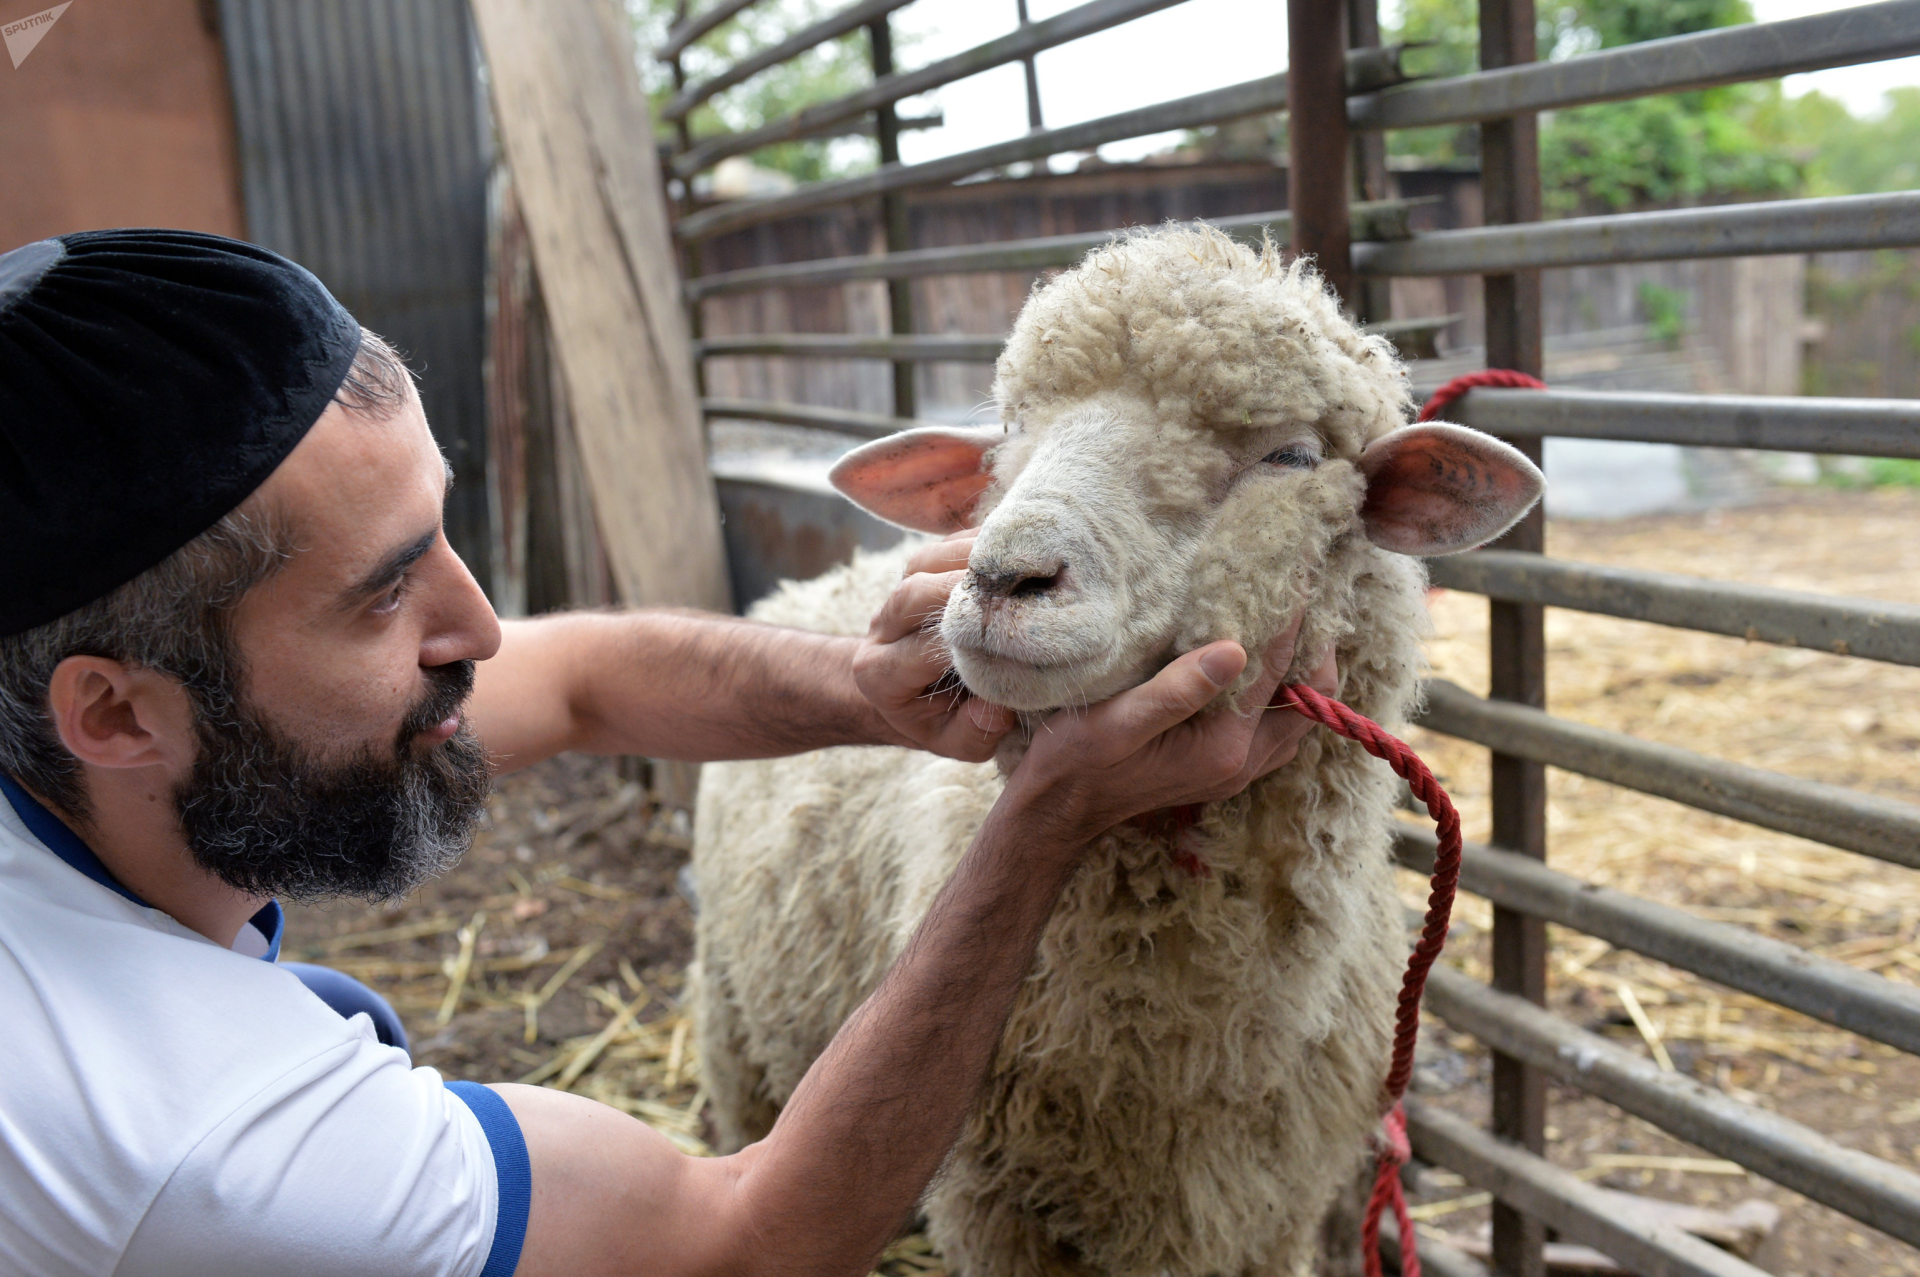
1196, 445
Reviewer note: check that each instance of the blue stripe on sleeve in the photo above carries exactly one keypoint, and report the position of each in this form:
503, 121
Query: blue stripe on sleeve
271, 922
511, 1165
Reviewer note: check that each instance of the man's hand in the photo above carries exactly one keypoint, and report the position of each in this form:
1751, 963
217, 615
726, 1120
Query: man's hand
902, 667
1157, 746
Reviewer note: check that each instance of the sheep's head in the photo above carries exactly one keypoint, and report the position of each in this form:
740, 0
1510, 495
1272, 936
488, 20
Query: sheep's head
1191, 435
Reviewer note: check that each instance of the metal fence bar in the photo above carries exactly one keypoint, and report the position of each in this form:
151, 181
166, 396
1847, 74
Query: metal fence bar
1755, 51
1317, 139
922, 348
1516, 632
1436, 1256
1836, 224
961, 348
1861, 427
832, 27
847, 128
1844, 996
896, 226
1580, 1211
1382, 220
1061, 29
1866, 1188
1830, 814
1034, 121
1254, 98
685, 33
845, 421
1826, 623
1373, 298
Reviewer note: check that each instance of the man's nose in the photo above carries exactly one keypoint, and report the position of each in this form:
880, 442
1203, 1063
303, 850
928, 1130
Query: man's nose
465, 627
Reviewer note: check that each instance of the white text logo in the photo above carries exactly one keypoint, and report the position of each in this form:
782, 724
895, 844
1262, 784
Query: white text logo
24, 36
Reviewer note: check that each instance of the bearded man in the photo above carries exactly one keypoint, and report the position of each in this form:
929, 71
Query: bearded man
239, 661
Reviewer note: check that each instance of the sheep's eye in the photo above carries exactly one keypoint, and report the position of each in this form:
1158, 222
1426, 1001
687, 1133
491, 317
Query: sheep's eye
1294, 455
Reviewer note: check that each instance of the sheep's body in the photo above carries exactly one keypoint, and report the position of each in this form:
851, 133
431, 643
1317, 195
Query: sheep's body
1196, 1063
1195, 1066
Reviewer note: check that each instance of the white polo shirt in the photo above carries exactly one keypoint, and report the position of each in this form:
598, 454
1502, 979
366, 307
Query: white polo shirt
171, 1107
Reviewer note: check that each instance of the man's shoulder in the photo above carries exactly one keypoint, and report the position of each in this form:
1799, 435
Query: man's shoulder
119, 1002
129, 1040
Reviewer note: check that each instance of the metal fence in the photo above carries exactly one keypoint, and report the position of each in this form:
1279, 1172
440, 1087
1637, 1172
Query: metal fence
1340, 92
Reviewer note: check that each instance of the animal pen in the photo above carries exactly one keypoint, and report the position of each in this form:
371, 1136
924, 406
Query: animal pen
1341, 92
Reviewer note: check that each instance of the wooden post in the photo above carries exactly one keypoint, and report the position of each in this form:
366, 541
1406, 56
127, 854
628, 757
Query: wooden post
579, 139
1317, 138
1510, 181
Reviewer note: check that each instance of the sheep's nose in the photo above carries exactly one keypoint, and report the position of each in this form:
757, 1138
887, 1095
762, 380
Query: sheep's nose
1018, 583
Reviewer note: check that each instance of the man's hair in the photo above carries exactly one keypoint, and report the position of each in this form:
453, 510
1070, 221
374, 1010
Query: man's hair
175, 617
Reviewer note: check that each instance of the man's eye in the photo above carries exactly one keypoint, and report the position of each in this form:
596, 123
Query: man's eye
1294, 455
390, 601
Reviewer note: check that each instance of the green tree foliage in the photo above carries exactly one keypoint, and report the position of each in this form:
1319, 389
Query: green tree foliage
1677, 149
1617, 22
829, 70
1449, 30
1845, 155
1682, 149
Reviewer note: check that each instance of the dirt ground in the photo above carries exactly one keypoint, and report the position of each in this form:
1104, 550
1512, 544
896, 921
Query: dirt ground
556, 952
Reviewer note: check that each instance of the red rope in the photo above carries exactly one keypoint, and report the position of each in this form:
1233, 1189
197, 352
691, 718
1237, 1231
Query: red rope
1394, 1151
1504, 377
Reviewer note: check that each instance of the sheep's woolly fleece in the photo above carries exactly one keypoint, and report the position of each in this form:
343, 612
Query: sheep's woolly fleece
1207, 330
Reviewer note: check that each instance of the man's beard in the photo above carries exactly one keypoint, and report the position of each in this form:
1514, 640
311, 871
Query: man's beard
268, 818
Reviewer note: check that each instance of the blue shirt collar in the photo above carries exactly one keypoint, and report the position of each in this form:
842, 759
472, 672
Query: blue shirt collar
64, 843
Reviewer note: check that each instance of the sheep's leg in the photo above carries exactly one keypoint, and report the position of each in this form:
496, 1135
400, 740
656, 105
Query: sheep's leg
1339, 1246
981, 1234
1025, 1253
742, 1113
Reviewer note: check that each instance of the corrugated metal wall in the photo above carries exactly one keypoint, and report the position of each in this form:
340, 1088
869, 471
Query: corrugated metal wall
364, 152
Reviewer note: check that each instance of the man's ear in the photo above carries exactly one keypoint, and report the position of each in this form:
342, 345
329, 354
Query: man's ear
1438, 489
109, 714
926, 479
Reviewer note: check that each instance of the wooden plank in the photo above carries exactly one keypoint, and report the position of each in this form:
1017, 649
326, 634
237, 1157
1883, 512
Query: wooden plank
568, 104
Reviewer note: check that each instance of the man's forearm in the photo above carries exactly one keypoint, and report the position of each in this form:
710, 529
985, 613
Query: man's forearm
720, 687
872, 1120
669, 684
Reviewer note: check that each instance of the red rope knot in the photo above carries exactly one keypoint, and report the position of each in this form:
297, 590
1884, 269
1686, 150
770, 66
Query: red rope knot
1505, 378
1395, 1153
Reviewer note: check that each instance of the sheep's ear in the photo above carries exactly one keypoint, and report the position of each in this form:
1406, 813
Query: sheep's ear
1439, 489
927, 479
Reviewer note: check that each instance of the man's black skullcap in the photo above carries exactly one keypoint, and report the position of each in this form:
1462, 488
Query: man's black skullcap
150, 380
